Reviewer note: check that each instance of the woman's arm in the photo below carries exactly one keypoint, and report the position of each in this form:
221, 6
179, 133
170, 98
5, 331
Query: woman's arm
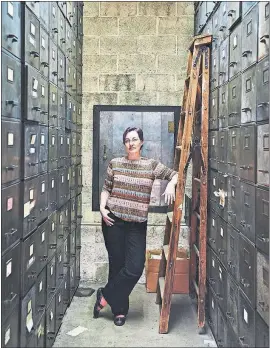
169, 192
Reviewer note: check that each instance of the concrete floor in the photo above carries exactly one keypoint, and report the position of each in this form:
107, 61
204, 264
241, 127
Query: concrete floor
141, 327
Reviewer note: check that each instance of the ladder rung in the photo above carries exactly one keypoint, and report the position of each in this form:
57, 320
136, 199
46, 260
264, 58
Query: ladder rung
170, 216
196, 250
198, 215
196, 287
197, 180
161, 282
178, 147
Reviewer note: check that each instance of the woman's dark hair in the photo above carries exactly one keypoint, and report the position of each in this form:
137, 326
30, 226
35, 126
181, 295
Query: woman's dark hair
130, 129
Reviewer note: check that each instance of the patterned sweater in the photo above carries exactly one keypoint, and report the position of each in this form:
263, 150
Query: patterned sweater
129, 183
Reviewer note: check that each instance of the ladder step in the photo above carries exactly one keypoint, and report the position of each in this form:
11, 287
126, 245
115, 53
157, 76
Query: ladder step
170, 216
197, 180
161, 281
178, 147
198, 215
196, 250
196, 287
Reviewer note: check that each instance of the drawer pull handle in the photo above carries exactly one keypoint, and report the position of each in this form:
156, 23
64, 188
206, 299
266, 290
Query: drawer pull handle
41, 308
12, 298
212, 240
222, 73
263, 239
79, 216
46, 65
212, 281
232, 64
232, 114
33, 275
246, 285
34, 53
221, 251
54, 73
222, 28
36, 108
44, 258
213, 80
55, 30
245, 53
263, 171
264, 37
11, 232
261, 105
11, 167
32, 164
244, 167
32, 219
229, 315
63, 40
53, 116
44, 112
62, 79
264, 306
231, 12
246, 109
13, 37
12, 102
242, 338
219, 297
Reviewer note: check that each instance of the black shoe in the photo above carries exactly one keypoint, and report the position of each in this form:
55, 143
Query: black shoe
97, 306
119, 321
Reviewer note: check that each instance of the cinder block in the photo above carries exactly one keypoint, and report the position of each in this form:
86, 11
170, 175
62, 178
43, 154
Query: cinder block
89, 216
91, 9
102, 64
90, 45
176, 26
89, 83
162, 8
119, 44
183, 43
185, 8
137, 26
137, 63
98, 234
171, 64
180, 82
101, 254
118, 9
102, 270
87, 120
98, 26
157, 44
91, 99
137, 98
86, 177
156, 219
155, 83
120, 82
170, 98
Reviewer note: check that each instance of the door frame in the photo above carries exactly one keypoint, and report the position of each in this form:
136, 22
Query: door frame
96, 132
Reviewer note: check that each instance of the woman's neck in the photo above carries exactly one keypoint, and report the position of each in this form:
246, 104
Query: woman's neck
133, 157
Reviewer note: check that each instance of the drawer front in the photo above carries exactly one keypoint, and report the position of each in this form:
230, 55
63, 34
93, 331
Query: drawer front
246, 322
263, 38
61, 109
43, 197
248, 136
31, 150
69, 111
212, 309
43, 149
248, 102
11, 27
233, 252
68, 42
61, 71
40, 293
247, 213
79, 85
42, 237
10, 224
247, 261
59, 310
233, 13
224, 61
263, 154
33, 100
40, 332
11, 86
232, 313
262, 84
223, 31
32, 39
53, 105
72, 181
235, 101
263, 286
44, 52
221, 287
61, 148
212, 229
54, 30
78, 236
28, 317
222, 150
223, 106
233, 151
30, 205
221, 329
262, 220
80, 26
59, 265
53, 181
61, 32
11, 278
63, 187
53, 58
51, 279
44, 7
11, 153
249, 38
79, 63
234, 196
10, 330
213, 149
44, 102
52, 148
79, 184
52, 234
262, 333
34, 6
235, 60
214, 69
50, 323
222, 241
213, 119
215, 28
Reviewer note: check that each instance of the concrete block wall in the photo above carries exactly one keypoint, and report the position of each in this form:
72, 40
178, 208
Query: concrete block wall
134, 53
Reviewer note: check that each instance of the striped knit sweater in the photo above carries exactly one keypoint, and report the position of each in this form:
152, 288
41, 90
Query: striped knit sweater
129, 183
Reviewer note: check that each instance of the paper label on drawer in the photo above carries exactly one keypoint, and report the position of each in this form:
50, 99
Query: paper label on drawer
42, 42
53, 11
40, 286
52, 270
42, 236
213, 304
9, 203
32, 41
29, 321
223, 53
27, 209
43, 187
235, 41
214, 181
68, 140
74, 108
221, 231
60, 258
73, 174
32, 150
79, 111
213, 263
61, 62
8, 268
51, 315
61, 140
43, 91
220, 273
69, 71
62, 178
53, 140
74, 43
40, 331
33, 139
52, 226
68, 177
10, 139
29, 306
61, 101
65, 285
30, 262
7, 336
10, 74
52, 183
31, 250
53, 97
80, 172
32, 29
10, 9
213, 101
74, 76
42, 139
31, 194
60, 218
59, 298
245, 316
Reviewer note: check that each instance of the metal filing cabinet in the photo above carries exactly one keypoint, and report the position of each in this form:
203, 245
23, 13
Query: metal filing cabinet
263, 155
44, 52
248, 136
248, 101
262, 219
246, 321
247, 211
263, 32
10, 329
262, 286
31, 38
235, 59
262, 83
262, 333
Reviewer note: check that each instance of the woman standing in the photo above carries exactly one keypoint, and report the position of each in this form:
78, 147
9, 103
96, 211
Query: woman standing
124, 204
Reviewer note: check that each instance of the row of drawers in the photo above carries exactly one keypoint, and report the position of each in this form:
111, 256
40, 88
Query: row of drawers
40, 321
42, 100
241, 151
242, 327
242, 205
244, 99
247, 41
32, 44
44, 149
41, 259
39, 201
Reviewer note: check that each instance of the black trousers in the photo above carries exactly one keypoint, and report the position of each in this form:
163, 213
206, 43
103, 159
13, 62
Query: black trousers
126, 244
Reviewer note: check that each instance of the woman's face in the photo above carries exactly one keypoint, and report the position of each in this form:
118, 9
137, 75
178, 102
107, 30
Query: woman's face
133, 143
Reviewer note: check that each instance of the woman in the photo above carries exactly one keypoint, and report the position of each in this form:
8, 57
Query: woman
124, 203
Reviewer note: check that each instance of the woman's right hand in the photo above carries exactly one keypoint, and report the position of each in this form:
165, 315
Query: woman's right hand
105, 212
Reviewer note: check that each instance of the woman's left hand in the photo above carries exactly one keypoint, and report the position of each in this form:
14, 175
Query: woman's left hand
169, 193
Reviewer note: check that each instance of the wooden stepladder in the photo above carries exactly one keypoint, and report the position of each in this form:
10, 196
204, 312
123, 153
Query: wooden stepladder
192, 143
